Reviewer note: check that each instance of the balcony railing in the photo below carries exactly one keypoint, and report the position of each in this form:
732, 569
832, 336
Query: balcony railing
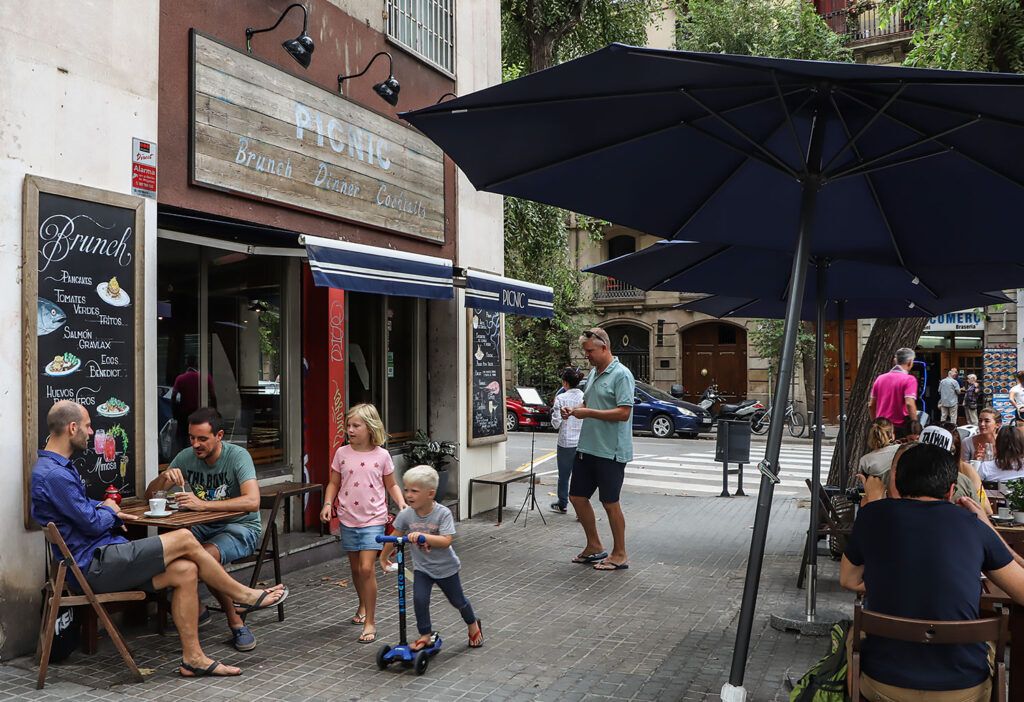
861, 20
611, 289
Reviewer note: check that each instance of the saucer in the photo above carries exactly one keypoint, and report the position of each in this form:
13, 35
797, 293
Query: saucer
158, 514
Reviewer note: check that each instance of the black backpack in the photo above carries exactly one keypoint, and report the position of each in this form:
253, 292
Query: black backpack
826, 680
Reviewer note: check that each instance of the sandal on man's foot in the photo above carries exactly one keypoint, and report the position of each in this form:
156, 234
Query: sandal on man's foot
197, 672
478, 640
590, 558
242, 608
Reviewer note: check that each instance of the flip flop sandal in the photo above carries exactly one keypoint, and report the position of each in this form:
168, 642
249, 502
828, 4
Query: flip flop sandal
608, 565
363, 640
358, 619
241, 608
592, 558
424, 644
196, 672
478, 640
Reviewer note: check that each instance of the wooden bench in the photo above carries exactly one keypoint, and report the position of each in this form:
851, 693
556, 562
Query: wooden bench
502, 478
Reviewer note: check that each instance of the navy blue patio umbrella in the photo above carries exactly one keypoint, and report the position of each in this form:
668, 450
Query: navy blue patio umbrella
831, 161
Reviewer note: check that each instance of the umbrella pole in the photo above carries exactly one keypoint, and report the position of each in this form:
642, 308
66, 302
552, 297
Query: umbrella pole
811, 579
811, 182
841, 321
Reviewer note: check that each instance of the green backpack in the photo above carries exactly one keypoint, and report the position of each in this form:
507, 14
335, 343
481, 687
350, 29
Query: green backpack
826, 680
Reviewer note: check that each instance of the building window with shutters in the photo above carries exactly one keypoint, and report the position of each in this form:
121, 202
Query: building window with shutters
426, 28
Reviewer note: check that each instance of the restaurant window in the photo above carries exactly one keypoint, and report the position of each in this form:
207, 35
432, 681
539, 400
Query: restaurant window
384, 349
425, 27
220, 343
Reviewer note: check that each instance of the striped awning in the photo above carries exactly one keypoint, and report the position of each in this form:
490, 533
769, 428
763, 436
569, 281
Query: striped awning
485, 291
359, 268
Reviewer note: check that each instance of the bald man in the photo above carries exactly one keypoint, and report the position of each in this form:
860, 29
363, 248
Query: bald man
110, 562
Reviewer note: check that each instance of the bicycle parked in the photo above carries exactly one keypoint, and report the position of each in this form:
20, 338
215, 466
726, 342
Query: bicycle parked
761, 420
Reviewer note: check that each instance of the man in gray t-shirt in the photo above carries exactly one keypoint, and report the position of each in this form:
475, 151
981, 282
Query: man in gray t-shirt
949, 393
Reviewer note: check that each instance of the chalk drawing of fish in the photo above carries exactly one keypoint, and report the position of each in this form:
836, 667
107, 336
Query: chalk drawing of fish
49, 317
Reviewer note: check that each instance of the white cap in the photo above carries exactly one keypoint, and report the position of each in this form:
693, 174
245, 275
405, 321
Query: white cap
937, 436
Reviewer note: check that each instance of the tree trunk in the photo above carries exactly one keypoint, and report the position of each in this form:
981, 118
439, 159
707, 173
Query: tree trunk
542, 51
886, 336
807, 366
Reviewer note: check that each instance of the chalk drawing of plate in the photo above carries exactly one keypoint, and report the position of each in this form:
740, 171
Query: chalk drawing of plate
122, 300
105, 411
61, 373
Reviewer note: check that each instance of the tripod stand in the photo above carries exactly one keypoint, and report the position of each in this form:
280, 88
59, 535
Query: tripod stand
531, 491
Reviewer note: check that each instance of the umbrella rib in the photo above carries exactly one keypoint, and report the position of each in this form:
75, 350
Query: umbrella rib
891, 164
789, 119
960, 152
850, 141
913, 304
623, 142
780, 164
690, 267
943, 108
863, 166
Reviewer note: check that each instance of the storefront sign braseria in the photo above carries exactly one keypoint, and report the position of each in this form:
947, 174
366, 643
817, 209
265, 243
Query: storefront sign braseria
260, 131
965, 320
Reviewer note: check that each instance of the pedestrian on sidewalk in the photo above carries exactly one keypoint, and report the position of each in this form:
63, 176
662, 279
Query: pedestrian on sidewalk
894, 394
949, 394
604, 449
973, 399
568, 433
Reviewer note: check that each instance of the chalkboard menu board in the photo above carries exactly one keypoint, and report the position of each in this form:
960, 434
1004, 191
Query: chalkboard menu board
83, 313
486, 377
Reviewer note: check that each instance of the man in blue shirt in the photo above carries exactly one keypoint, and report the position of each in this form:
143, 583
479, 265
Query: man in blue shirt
110, 562
604, 449
920, 556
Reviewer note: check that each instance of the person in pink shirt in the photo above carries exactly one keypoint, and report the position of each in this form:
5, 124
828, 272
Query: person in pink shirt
894, 394
362, 477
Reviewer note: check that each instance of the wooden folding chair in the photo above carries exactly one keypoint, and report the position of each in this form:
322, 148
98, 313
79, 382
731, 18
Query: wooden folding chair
831, 524
924, 631
58, 594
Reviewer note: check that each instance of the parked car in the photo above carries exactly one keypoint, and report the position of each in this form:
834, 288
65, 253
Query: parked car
519, 415
661, 414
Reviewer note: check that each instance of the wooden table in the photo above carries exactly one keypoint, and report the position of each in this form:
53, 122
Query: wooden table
991, 595
178, 519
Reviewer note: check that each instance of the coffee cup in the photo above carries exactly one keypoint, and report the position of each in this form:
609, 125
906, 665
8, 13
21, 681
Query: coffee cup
158, 505
1004, 512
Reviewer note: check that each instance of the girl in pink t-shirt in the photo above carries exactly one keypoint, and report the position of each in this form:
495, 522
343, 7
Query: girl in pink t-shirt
362, 477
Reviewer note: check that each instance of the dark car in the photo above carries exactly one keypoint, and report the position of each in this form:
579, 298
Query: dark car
661, 414
519, 415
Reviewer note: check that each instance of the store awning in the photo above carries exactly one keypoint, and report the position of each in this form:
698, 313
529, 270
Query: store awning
485, 291
359, 268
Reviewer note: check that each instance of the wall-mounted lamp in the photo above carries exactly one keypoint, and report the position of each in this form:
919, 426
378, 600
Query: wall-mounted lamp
444, 96
301, 47
388, 89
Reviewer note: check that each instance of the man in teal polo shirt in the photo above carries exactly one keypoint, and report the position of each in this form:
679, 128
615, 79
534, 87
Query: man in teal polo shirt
605, 447
221, 478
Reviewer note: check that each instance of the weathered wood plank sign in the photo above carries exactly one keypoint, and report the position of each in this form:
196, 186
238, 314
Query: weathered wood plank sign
260, 131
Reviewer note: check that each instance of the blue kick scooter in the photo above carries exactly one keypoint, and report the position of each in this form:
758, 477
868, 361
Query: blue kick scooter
402, 653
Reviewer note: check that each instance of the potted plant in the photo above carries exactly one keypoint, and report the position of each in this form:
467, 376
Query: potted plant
1015, 498
422, 450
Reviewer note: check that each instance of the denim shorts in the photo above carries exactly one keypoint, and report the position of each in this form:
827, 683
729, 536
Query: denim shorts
233, 540
361, 538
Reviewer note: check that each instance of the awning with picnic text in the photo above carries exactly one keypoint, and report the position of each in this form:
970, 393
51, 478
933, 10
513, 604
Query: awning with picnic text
485, 291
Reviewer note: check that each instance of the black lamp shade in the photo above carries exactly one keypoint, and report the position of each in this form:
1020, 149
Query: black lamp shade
301, 49
388, 90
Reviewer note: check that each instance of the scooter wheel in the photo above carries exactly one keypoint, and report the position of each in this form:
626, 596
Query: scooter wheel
382, 661
422, 660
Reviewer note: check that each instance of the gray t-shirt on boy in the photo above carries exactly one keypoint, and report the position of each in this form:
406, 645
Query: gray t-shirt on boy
438, 563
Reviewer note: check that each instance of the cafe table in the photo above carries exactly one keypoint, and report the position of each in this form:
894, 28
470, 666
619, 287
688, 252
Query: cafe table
992, 594
178, 519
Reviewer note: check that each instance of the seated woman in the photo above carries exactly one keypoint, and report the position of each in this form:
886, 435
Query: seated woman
967, 471
882, 447
1009, 460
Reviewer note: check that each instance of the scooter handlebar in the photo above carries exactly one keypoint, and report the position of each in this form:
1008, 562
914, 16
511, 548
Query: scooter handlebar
398, 539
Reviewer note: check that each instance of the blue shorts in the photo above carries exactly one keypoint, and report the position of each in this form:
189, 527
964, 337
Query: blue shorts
233, 540
361, 538
590, 473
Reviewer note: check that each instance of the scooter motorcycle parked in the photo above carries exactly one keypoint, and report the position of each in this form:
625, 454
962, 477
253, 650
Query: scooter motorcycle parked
741, 411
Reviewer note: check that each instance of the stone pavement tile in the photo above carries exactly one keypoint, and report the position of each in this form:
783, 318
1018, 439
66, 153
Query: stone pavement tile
662, 630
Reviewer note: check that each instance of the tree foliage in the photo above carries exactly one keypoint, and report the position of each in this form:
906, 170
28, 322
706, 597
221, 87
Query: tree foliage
778, 28
975, 35
537, 34
766, 338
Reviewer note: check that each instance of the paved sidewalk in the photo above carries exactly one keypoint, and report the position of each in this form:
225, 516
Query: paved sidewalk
662, 630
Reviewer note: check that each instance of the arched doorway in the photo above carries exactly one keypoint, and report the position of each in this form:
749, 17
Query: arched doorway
720, 349
632, 345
